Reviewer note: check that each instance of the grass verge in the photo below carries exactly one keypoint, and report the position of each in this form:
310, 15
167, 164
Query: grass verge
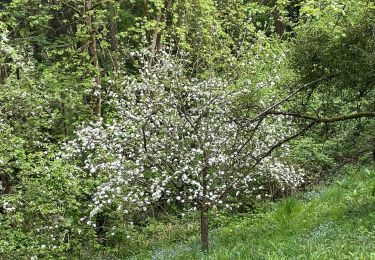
332, 222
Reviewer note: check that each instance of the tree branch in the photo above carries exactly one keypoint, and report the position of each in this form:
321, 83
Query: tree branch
266, 111
286, 140
72, 7
324, 119
267, 153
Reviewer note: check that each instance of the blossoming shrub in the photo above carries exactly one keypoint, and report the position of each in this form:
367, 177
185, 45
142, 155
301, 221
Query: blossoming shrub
175, 140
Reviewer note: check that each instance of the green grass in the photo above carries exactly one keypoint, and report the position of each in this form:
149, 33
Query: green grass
332, 222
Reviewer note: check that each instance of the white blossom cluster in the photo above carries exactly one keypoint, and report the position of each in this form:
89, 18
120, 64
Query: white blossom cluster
177, 140
17, 55
8, 207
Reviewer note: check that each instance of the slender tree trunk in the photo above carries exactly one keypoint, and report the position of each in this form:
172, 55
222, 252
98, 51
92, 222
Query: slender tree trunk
112, 34
279, 25
204, 228
93, 52
113, 27
145, 8
65, 118
4, 73
156, 35
204, 213
5, 183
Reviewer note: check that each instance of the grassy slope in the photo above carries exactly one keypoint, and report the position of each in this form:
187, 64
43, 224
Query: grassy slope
334, 222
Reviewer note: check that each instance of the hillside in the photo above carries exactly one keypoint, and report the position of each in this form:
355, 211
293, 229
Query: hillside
331, 222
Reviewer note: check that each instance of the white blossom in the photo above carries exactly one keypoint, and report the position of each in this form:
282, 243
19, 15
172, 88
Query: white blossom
177, 139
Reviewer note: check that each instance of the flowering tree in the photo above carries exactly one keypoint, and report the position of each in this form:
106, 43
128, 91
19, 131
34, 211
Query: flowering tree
178, 140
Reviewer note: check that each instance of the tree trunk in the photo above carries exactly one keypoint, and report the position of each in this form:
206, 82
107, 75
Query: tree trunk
65, 118
93, 52
204, 228
204, 213
156, 35
113, 26
155, 38
279, 25
112, 34
5, 183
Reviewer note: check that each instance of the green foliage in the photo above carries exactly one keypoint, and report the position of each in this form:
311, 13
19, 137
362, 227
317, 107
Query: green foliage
45, 213
340, 46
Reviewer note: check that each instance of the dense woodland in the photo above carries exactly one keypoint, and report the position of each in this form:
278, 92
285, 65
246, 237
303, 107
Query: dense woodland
127, 122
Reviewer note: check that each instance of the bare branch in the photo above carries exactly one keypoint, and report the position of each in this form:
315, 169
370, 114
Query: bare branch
325, 119
72, 7
266, 111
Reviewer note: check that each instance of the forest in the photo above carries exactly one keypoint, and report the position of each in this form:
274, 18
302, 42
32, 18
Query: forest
187, 129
